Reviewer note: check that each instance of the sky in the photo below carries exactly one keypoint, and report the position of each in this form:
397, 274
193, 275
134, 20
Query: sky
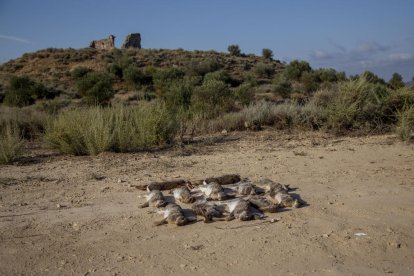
347, 35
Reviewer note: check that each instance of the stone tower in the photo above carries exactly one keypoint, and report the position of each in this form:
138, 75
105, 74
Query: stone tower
132, 41
104, 44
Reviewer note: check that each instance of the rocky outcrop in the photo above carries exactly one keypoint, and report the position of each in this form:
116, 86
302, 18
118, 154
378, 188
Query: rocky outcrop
104, 44
132, 41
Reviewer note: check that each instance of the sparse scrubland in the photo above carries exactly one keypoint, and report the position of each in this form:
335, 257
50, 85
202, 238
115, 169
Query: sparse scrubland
153, 115
85, 102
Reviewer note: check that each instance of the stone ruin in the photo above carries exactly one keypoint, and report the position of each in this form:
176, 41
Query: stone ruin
104, 44
132, 41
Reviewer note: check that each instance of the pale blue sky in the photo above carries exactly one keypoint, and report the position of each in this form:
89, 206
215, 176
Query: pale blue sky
351, 36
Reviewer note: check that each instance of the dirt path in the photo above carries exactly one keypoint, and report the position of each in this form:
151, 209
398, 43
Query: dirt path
62, 215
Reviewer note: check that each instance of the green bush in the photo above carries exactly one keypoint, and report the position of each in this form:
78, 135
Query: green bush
29, 122
134, 76
162, 78
96, 129
396, 101
200, 68
282, 86
264, 70
267, 54
23, 91
358, 105
11, 143
244, 94
142, 127
234, 50
260, 113
179, 94
309, 81
115, 70
220, 75
95, 88
370, 77
329, 75
295, 69
396, 82
211, 98
79, 72
405, 125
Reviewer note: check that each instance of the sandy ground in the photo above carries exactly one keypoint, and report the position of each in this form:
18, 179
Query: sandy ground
63, 215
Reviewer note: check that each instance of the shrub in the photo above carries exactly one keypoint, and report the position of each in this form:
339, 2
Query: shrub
244, 94
162, 78
261, 113
220, 75
29, 122
142, 127
200, 68
329, 75
370, 77
234, 50
309, 82
179, 93
79, 72
134, 76
295, 69
267, 54
264, 70
396, 101
95, 88
396, 82
96, 129
19, 92
11, 144
282, 87
115, 70
23, 91
405, 125
358, 105
211, 98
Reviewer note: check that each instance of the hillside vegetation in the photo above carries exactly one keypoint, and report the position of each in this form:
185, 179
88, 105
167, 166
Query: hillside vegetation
87, 101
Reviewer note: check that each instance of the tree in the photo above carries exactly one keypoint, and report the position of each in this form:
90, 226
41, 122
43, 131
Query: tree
267, 54
295, 69
396, 81
372, 78
234, 50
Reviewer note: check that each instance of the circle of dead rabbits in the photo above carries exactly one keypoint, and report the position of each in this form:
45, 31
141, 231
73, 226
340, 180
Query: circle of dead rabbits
223, 198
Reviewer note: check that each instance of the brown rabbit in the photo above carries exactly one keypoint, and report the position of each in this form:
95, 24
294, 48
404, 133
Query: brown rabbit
246, 188
155, 199
278, 193
241, 209
182, 194
263, 204
172, 214
209, 211
214, 191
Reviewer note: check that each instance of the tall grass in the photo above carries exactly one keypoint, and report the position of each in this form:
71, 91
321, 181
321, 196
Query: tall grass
29, 122
11, 143
357, 104
405, 125
281, 116
94, 130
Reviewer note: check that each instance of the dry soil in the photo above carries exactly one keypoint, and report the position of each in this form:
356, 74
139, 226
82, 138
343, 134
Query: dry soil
66, 215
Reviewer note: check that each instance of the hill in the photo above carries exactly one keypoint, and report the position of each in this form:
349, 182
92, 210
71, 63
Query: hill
52, 66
